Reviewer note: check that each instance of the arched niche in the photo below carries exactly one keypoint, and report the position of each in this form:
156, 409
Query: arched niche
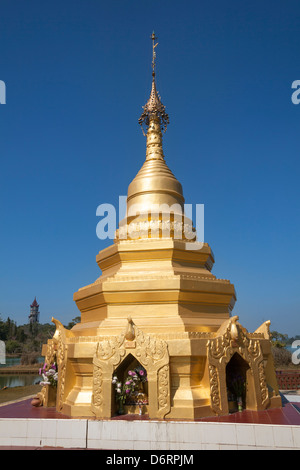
116, 353
128, 366
238, 378
246, 355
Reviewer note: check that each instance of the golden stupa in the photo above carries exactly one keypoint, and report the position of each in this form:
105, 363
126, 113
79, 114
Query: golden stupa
157, 306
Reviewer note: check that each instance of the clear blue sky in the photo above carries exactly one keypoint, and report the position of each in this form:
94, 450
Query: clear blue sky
77, 74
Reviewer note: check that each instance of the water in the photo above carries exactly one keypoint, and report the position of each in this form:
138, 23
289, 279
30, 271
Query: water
15, 361
12, 380
18, 380
11, 361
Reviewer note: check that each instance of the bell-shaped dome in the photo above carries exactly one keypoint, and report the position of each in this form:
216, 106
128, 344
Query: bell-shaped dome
155, 183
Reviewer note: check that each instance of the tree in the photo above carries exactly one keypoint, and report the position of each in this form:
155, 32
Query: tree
278, 340
12, 346
21, 335
3, 332
73, 322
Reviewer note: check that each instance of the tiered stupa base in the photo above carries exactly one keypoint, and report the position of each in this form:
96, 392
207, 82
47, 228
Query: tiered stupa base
181, 333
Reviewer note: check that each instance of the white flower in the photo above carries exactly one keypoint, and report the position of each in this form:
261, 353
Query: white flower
118, 390
45, 382
119, 385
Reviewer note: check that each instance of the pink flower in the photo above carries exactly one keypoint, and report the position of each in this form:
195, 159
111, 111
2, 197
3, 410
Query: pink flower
141, 372
127, 391
128, 382
130, 372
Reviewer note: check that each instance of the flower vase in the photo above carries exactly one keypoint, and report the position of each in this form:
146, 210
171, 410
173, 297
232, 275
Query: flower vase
121, 408
240, 403
232, 406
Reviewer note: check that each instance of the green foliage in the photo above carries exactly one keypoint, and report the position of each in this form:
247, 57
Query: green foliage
8, 329
12, 347
73, 322
294, 338
279, 340
27, 340
21, 335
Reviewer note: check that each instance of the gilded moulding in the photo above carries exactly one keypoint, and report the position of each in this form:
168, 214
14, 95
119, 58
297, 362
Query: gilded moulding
150, 352
220, 350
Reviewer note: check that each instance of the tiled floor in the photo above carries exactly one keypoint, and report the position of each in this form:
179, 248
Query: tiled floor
24, 409
288, 414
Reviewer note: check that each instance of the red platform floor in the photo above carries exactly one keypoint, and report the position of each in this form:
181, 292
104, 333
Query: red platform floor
289, 414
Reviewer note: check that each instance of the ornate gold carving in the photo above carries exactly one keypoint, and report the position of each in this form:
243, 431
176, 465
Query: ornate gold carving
159, 229
214, 387
59, 338
97, 398
163, 392
253, 347
49, 359
234, 339
262, 383
109, 347
151, 352
57, 351
51, 352
150, 349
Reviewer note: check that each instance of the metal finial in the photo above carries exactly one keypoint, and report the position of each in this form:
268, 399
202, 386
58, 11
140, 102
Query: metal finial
154, 106
153, 37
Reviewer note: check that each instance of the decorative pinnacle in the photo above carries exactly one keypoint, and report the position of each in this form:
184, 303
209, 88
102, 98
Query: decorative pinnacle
154, 107
153, 37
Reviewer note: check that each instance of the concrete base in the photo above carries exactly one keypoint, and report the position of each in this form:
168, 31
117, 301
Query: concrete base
23, 425
146, 435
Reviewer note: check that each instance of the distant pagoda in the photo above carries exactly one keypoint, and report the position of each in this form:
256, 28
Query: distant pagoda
34, 312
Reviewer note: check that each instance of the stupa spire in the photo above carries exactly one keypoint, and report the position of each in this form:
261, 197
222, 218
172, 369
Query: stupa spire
154, 107
153, 37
